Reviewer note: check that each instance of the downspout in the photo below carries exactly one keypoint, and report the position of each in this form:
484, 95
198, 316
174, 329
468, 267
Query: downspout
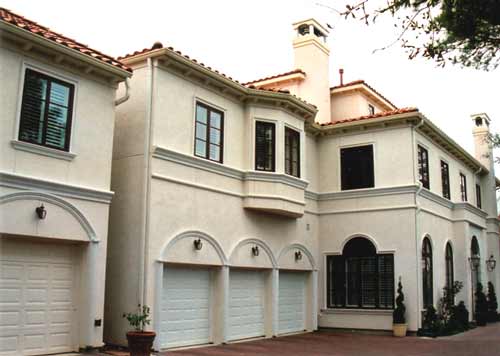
125, 97
147, 180
417, 211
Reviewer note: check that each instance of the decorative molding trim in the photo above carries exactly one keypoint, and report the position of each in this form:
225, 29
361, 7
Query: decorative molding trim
302, 248
333, 212
471, 208
258, 242
275, 197
17, 181
308, 194
276, 178
426, 193
196, 185
428, 211
42, 150
362, 193
383, 312
52, 199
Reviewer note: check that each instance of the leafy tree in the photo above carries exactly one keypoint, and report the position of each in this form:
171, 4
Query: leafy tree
465, 32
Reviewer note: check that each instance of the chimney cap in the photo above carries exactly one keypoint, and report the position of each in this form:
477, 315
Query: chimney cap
313, 22
481, 115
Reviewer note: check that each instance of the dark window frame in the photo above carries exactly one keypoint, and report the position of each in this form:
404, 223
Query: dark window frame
423, 166
445, 179
267, 154
479, 202
291, 134
427, 273
70, 108
209, 127
345, 278
347, 171
450, 271
371, 109
463, 187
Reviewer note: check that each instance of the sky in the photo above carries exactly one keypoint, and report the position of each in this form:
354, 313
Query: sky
252, 39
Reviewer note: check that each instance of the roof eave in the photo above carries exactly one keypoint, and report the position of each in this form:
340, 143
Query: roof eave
365, 88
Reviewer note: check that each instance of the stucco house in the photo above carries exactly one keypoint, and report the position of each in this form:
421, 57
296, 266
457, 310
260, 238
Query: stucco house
258, 209
57, 116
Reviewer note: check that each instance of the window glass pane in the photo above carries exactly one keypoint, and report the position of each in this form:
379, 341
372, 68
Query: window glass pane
201, 114
368, 281
357, 167
353, 282
200, 148
215, 119
35, 87
31, 127
214, 153
201, 131
59, 94
56, 126
215, 136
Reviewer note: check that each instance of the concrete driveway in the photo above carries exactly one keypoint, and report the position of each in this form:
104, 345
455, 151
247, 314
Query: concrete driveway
484, 341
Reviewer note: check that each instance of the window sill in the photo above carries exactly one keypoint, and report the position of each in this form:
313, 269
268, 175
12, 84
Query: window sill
384, 312
42, 150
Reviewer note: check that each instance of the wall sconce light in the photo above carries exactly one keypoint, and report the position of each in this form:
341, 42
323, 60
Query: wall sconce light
41, 212
298, 255
255, 251
491, 263
474, 262
197, 244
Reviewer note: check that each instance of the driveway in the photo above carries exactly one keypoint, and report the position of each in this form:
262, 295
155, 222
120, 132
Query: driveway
484, 341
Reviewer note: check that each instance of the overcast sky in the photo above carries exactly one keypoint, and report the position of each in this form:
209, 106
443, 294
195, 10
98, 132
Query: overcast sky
252, 39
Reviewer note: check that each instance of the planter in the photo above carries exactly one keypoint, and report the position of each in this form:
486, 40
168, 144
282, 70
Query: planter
140, 343
399, 330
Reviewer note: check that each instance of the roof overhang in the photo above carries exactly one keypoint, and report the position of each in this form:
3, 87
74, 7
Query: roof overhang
285, 79
365, 90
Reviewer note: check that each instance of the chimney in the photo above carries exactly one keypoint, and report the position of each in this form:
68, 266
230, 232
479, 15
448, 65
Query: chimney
312, 55
341, 74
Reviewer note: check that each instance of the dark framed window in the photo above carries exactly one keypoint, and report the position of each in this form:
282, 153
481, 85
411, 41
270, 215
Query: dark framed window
463, 187
449, 270
371, 109
360, 278
356, 167
478, 196
46, 111
427, 273
292, 152
265, 143
423, 167
445, 179
209, 133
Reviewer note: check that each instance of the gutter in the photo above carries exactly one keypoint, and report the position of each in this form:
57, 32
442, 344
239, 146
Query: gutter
125, 97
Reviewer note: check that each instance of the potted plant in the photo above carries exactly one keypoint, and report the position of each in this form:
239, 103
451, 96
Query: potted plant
492, 303
399, 325
481, 306
140, 342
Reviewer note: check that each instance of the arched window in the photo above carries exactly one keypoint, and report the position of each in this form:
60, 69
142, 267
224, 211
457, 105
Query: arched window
449, 270
360, 278
427, 273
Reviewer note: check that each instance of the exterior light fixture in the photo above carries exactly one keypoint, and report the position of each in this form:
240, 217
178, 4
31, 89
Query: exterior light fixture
41, 212
474, 262
298, 255
197, 244
255, 251
491, 263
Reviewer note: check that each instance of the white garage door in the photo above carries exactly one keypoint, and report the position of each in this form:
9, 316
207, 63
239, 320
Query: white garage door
37, 297
292, 292
185, 310
246, 304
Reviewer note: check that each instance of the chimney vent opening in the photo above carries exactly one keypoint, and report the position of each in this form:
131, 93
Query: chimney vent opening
479, 121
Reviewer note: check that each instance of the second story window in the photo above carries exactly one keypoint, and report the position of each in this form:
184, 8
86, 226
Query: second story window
445, 179
292, 152
423, 167
357, 167
463, 187
209, 133
46, 111
265, 136
478, 196
371, 109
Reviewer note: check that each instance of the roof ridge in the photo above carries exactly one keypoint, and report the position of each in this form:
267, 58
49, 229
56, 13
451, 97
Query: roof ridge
298, 70
362, 81
374, 116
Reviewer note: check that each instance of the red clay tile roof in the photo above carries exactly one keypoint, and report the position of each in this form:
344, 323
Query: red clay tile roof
158, 46
356, 82
42, 31
276, 76
375, 116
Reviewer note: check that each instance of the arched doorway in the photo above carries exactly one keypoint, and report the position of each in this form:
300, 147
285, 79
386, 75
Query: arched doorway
427, 273
475, 269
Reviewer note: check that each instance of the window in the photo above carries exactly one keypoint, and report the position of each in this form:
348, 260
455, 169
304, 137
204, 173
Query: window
357, 167
478, 196
360, 278
445, 179
264, 146
371, 109
209, 133
46, 111
292, 152
463, 187
423, 167
449, 270
427, 282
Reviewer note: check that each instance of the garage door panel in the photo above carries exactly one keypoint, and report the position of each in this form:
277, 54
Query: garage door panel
291, 301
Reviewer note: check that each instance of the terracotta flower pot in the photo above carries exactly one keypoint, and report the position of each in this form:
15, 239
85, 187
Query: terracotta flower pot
399, 330
140, 343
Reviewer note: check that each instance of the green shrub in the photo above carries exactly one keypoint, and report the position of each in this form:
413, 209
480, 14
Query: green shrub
398, 316
140, 319
492, 303
481, 306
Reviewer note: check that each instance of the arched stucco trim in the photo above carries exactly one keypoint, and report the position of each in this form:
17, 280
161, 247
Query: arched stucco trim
302, 248
259, 243
193, 234
368, 237
53, 199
